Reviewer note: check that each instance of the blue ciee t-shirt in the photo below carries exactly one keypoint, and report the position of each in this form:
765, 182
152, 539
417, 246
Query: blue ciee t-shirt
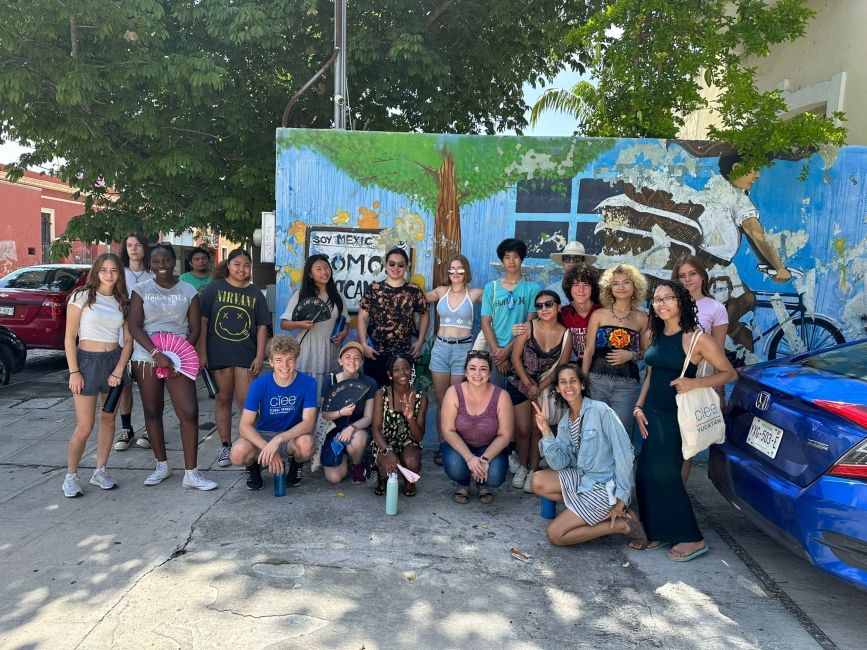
280, 408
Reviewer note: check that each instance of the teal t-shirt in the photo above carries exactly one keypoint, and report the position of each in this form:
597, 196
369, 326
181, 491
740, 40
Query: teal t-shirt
508, 308
198, 283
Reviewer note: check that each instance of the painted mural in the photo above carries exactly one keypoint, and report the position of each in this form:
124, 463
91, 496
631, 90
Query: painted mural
786, 248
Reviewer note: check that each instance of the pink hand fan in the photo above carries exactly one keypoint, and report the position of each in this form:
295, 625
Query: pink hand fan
183, 356
408, 474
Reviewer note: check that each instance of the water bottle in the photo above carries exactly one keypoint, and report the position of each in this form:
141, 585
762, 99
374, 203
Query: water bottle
549, 508
112, 398
339, 324
391, 494
280, 484
210, 384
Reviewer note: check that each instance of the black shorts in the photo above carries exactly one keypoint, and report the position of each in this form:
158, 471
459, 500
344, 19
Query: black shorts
95, 367
515, 394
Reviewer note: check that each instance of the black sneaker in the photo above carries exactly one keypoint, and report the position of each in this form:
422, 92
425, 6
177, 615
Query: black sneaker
293, 476
254, 477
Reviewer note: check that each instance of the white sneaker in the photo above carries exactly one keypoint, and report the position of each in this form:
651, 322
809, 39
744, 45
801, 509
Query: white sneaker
72, 486
520, 477
528, 483
161, 473
193, 479
514, 463
102, 479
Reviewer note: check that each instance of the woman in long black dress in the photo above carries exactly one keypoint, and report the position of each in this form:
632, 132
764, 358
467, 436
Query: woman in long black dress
663, 503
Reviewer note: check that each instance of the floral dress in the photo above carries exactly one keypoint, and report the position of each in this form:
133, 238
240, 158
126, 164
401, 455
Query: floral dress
395, 428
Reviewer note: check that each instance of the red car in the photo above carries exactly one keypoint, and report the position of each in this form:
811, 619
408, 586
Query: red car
33, 302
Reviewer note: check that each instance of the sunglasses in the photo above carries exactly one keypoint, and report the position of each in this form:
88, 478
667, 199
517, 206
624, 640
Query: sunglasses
545, 305
399, 265
457, 272
573, 258
479, 354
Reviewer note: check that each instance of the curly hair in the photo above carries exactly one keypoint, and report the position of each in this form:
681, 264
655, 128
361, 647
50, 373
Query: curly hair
585, 382
582, 273
639, 284
688, 311
698, 265
282, 344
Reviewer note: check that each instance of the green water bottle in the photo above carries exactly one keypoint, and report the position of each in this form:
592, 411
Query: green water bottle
391, 494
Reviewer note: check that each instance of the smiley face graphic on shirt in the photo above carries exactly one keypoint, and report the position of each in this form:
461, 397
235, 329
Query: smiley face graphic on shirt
232, 323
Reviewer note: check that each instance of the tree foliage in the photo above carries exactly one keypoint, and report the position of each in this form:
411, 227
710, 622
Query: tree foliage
174, 103
653, 62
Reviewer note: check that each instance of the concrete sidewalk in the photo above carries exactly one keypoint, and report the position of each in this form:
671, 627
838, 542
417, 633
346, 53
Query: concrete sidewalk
324, 567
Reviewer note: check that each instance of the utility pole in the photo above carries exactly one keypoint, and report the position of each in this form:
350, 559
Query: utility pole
341, 99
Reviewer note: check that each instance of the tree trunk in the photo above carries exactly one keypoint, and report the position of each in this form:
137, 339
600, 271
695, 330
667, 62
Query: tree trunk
447, 224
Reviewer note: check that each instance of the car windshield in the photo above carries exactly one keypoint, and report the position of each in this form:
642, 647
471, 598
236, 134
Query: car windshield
44, 279
848, 361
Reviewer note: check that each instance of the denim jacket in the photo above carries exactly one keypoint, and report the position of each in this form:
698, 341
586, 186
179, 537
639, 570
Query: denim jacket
606, 453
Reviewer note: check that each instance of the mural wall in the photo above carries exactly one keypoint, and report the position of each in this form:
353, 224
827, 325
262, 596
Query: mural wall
787, 256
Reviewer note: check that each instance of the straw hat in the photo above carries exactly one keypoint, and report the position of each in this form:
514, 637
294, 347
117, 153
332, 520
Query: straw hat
575, 248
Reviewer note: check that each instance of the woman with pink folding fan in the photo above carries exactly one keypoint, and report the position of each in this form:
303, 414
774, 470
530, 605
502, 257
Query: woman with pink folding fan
164, 320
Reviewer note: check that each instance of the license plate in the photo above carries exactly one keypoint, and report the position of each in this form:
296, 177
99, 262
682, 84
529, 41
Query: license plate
765, 437
7, 311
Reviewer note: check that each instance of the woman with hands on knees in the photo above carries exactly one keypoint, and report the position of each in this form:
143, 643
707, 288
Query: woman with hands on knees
398, 423
476, 422
590, 462
95, 318
352, 422
663, 503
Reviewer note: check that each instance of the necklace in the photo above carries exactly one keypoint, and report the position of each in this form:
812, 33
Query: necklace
618, 318
138, 276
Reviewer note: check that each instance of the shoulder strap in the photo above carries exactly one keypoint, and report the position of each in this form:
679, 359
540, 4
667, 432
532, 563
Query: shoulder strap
460, 395
695, 336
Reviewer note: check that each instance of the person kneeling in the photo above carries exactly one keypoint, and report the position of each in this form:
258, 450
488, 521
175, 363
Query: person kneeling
278, 418
591, 467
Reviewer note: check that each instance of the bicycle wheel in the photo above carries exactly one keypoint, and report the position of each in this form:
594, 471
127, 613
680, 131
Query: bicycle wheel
816, 333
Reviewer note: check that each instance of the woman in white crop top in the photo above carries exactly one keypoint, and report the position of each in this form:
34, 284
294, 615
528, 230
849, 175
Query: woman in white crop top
95, 317
453, 340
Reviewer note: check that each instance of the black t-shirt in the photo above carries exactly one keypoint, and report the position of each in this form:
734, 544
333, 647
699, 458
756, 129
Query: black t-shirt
234, 315
345, 420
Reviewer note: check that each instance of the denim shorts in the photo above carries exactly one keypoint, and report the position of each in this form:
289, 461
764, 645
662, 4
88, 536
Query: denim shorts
450, 355
95, 367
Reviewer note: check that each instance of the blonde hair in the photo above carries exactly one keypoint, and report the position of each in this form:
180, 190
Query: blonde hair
282, 344
639, 284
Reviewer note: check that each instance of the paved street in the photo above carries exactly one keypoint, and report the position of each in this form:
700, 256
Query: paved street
324, 568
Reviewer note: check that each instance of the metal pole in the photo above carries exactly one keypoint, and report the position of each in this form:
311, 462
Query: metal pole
340, 85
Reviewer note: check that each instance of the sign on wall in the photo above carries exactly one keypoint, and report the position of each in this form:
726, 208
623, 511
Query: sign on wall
355, 255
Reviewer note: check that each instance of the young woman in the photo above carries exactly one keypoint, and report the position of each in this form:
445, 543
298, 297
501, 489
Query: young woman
134, 252
543, 346
165, 304
613, 343
663, 504
318, 346
386, 318
477, 420
235, 321
199, 276
453, 341
398, 423
712, 315
352, 422
591, 467
95, 318
581, 284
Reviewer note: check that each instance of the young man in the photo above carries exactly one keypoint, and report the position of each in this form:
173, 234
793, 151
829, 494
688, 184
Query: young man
507, 302
570, 257
199, 276
278, 418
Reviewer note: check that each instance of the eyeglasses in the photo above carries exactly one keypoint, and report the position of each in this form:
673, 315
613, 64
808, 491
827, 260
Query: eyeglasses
664, 300
622, 284
457, 272
573, 258
399, 265
545, 305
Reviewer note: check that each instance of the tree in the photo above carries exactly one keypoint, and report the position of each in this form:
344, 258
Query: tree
653, 61
443, 172
173, 103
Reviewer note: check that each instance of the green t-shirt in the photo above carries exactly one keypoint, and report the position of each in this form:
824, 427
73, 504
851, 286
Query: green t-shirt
198, 283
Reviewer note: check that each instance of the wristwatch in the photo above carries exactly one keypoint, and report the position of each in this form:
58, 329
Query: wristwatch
486, 459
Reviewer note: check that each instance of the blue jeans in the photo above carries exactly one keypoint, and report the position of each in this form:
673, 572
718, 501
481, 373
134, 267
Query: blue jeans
457, 470
619, 393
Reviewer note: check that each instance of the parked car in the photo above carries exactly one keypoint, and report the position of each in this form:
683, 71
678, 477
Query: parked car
795, 456
13, 354
33, 302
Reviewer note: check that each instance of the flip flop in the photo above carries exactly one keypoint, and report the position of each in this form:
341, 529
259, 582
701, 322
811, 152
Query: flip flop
485, 495
687, 558
461, 496
409, 489
637, 536
658, 546
379, 490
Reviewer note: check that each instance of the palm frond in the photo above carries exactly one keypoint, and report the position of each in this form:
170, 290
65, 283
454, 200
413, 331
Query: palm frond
572, 101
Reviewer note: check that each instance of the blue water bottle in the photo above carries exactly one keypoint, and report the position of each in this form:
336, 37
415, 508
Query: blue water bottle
280, 484
549, 508
391, 494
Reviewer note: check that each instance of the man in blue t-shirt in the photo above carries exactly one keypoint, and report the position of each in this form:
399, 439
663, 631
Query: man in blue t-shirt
278, 418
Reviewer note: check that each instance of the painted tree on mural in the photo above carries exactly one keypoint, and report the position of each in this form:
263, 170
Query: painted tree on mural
444, 173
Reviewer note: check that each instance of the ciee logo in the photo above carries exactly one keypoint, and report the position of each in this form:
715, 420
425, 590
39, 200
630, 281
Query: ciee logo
283, 400
706, 412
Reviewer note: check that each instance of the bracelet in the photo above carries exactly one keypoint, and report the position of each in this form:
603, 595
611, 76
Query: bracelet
637, 406
468, 458
111, 374
75, 372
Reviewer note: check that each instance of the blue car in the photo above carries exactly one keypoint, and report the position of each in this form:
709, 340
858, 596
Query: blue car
795, 456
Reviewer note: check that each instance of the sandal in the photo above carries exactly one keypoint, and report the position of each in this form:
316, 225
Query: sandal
379, 490
461, 495
637, 536
485, 495
409, 489
438, 458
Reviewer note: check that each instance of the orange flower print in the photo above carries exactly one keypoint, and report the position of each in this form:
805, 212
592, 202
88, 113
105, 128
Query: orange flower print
619, 339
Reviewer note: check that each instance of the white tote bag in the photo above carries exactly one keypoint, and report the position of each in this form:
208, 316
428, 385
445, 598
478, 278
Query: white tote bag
698, 413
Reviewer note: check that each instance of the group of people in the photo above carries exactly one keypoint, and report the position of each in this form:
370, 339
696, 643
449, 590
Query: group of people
555, 388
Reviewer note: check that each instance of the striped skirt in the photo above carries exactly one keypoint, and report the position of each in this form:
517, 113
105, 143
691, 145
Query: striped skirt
592, 506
